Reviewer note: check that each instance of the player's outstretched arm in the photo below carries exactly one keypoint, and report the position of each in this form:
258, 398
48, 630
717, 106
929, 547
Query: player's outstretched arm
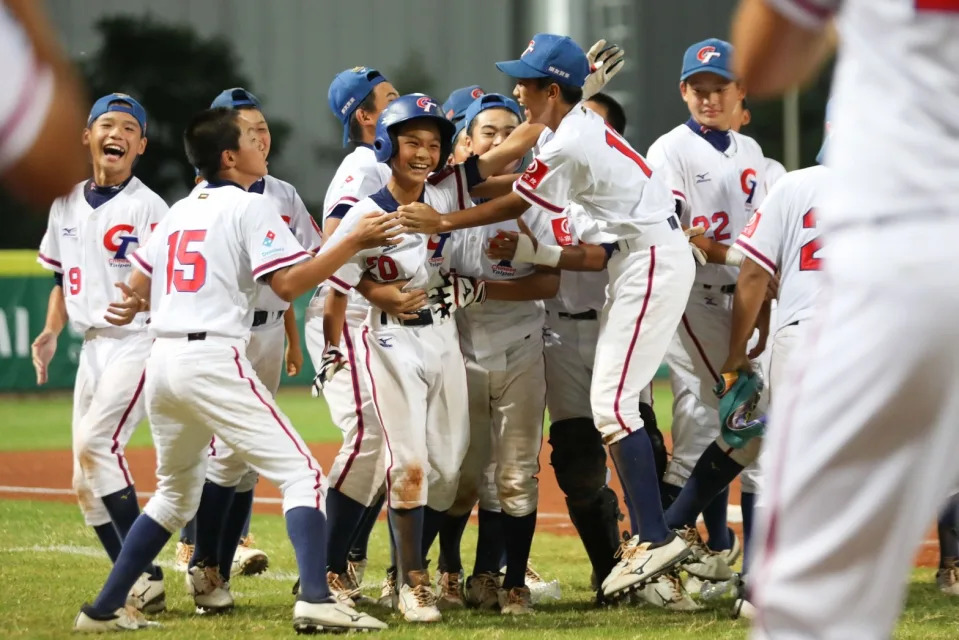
373, 230
774, 53
717, 252
391, 298
46, 343
136, 299
541, 285
422, 218
747, 301
516, 145
293, 357
523, 247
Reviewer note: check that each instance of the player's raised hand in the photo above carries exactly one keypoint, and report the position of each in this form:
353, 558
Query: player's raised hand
43, 349
503, 245
122, 312
419, 217
377, 230
605, 61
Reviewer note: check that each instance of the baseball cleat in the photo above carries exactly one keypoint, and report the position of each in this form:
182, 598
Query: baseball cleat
211, 593
947, 579
481, 591
667, 592
342, 588
640, 561
319, 617
147, 595
388, 594
732, 554
356, 569
449, 591
517, 601
742, 608
541, 589
708, 566
248, 560
417, 603
125, 619
184, 551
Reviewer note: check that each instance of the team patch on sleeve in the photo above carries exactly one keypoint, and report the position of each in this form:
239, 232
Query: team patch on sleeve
561, 231
534, 173
750, 228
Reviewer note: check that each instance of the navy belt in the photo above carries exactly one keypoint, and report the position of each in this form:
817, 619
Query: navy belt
725, 288
585, 315
261, 317
193, 337
423, 318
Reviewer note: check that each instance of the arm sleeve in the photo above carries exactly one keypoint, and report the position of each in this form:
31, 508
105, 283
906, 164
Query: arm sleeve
149, 254
762, 238
268, 241
361, 183
155, 213
548, 228
672, 174
549, 179
349, 275
49, 255
811, 14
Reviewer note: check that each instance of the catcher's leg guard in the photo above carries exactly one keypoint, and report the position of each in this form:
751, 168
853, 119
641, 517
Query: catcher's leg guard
579, 461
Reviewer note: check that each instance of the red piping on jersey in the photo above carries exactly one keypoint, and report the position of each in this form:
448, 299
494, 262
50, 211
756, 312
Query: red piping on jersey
115, 449
459, 189
755, 253
632, 343
308, 457
273, 265
50, 261
343, 200
535, 199
358, 402
680, 194
340, 283
213, 446
142, 262
376, 405
699, 348
25, 101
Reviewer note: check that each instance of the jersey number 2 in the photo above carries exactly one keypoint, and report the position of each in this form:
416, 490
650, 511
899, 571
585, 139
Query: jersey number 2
807, 253
178, 250
720, 219
616, 142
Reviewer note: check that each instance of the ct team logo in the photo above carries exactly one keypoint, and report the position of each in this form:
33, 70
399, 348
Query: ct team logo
561, 231
426, 104
117, 241
747, 180
535, 173
529, 48
435, 247
751, 226
707, 53
476, 93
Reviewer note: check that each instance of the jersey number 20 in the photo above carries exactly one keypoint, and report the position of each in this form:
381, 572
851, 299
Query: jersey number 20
178, 250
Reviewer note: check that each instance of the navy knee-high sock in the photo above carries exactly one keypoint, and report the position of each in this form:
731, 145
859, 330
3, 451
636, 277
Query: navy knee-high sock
124, 510
344, 515
716, 520
143, 542
451, 539
489, 542
630, 509
408, 538
110, 539
518, 535
306, 527
637, 467
713, 472
432, 521
215, 503
948, 534
188, 532
669, 492
233, 526
748, 505
361, 538
245, 531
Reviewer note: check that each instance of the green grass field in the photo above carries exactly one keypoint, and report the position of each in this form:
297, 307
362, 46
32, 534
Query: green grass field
50, 563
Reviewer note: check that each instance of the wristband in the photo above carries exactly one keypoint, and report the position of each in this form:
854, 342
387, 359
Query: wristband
734, 257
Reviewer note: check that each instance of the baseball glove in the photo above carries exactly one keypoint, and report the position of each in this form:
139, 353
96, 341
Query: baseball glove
738, 394
456, 292
605, 61
332, 362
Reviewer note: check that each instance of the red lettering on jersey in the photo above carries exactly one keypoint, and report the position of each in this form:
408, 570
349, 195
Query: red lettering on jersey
153, 225
937, 5
534, 173
751, 225
561, 231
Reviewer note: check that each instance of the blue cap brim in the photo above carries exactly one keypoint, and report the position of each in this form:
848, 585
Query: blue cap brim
519, 69
725, 73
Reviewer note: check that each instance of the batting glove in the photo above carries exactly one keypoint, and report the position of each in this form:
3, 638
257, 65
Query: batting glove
605, 61
456, 292
332, 362
698, 253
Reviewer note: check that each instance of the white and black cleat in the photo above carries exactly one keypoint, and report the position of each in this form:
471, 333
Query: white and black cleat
332, 617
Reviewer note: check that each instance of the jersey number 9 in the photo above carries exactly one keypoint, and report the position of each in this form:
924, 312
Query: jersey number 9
178, 251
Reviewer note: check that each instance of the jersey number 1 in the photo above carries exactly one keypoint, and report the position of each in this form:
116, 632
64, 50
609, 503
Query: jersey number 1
178, 250
616, 142
807, 253
937, 5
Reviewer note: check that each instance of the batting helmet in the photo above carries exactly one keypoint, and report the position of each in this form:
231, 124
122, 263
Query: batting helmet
404, 109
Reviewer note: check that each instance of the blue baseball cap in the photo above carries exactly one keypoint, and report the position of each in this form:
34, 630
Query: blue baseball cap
490, 101
550, 56
712, 55
119, 102
235, 98
455, 105
348, 89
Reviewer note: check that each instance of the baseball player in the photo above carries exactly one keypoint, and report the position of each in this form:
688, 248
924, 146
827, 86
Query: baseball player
35, 165
209, 253
227, 501
412, 363
864, 434
947, 576
629, 208
715, 174
90, 236
357, 96
455, 110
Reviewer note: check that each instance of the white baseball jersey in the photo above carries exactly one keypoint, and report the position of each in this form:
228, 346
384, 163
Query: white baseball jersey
416, 258
579, 291
621, 198
206, 257
774, 171
487, 329
358, 176
719, 189
92, 247
913, 72
27, 93
782, 236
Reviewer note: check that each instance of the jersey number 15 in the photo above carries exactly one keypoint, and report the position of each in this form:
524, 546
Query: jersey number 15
179, 252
